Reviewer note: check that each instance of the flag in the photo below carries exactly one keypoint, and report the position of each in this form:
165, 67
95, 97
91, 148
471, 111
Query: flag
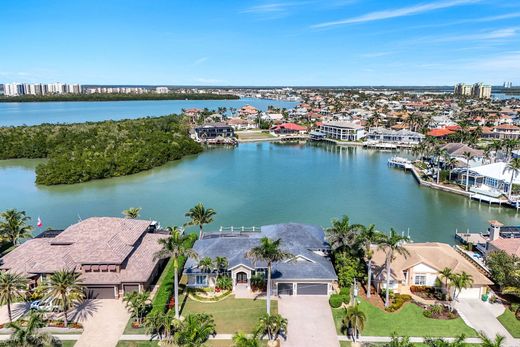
39, 224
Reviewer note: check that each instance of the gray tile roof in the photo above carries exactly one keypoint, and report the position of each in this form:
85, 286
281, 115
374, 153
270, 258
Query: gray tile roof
298, 239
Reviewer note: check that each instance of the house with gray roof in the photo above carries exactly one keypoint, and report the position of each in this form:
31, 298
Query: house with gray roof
309, 272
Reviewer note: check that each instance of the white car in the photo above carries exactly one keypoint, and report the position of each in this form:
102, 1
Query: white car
46, 305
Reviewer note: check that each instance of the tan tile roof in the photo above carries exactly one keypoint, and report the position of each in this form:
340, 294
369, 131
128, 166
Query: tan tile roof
510, 246
434, 254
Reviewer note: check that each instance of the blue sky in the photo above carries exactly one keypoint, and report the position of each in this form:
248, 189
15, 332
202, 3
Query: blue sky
279, 42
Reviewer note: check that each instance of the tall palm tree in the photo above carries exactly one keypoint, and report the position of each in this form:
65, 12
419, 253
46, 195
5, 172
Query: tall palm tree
468, 157
12, 286
488, 342
137, 303
514, 167
342, 234
205, 264
447, 275
30, 334
354, 318
199, 215
368, 238
272, 326
268, 251
461, 281
243, 340
64, 287
13, 225
221, 264
132, 212
392, 244
175, 247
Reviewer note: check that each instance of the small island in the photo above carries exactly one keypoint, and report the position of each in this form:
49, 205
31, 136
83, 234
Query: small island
94, 150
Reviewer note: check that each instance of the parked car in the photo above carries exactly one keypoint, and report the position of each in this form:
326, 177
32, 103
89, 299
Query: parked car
45, 305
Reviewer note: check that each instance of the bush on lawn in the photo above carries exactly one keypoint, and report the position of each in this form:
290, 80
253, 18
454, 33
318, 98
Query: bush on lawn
398, 301
336, 300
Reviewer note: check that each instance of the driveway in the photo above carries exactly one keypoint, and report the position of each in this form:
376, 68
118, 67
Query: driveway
103, 321
482, 316
310, 321
17, 310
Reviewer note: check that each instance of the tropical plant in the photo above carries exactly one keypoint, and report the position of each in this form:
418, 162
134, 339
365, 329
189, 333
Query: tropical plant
205, 264
341, 234
514, 167
243, 340
162, 324
355, 319
199, 215
369, 237
468, 157
446, 274
224, 283
392, 244
195, 330
221, 264
399, 341
30, 333
132, 212
272, 326
258, 281
137, 303
12, 287
461, 281
440, 342
174, 247
13, 225
64, 287
498, 341
268, 251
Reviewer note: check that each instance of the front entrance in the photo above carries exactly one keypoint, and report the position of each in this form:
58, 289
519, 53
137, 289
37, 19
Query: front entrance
241, 278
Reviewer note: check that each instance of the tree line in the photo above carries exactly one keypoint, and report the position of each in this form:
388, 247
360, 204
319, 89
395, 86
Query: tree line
85, 151
118, 97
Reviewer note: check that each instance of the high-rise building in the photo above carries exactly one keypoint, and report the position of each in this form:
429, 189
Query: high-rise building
508, 84
481, 91
462, 89
161, 90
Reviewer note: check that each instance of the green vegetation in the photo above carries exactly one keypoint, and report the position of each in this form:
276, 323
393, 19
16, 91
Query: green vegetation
231, 315
117, 97
409, 321
510, 322
86, 151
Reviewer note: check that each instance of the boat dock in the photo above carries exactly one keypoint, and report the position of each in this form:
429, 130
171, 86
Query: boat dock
399, 162
470, 238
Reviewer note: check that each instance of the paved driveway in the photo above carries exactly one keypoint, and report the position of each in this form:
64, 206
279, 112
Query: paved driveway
17, 310
310, 321
103, 320
481, 316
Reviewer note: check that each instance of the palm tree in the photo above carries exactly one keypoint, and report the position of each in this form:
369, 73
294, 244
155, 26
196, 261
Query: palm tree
12, 286
175, 247
461, 281
199, 215
195, 330
269, 252
137, 303
13, 225
132, 212
369, 237
243, 340
65, 288
342, 234
221, 265
354, 318
30, 334
272, 326
447, 275
392, 244
514, 167
450, 163
488, 342
396, 341
162, 325
468, 157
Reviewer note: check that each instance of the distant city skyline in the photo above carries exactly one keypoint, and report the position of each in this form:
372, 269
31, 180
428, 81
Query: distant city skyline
261, 43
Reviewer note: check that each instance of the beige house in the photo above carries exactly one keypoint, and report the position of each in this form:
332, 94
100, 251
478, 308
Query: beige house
113, 255
422, 267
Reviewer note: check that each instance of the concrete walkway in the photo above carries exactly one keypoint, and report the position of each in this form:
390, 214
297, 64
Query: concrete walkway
103, 321
482, 316
382, 339
310, 321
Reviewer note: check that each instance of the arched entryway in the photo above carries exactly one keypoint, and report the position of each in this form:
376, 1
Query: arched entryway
241, 277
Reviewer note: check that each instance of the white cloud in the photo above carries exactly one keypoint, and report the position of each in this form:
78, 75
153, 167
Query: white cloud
266, 8
200, 61
399, 12
489, 35
509, 61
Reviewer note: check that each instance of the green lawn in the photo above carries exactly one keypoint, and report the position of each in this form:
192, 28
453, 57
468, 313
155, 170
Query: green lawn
68, 343
129, 330
210, 343
510, 322
408, 321
231, 315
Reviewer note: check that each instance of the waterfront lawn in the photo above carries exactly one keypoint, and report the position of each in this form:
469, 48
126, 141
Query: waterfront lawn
510, 322
253, 135
408, 321
231, 315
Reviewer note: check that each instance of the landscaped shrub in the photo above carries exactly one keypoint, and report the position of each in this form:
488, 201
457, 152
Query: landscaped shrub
336, 300
398, 301
439, 312
224, 283
258, 282
196, 294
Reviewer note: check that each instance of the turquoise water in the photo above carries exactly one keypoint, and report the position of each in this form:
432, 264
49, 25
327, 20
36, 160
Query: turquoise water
30, 113
258, 184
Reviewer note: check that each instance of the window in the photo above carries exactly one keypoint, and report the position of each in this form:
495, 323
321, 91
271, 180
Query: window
420, 280
201, 280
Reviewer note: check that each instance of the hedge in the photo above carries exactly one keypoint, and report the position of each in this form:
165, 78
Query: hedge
335, 300
165, 291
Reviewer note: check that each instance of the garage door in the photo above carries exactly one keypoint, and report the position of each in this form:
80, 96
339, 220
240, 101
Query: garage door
129, 288
101, 293
312, 289
285, 289
470, 293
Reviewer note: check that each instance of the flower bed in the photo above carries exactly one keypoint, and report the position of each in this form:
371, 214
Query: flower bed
427, 293
439, 312
207, 296
398, 300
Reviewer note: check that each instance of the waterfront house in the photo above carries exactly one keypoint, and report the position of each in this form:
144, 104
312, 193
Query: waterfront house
288, 129
422, 267
113, 255
490, 177
501, 238
401, 136
310, 272
502, 131
212, 131
342, 130
457, 150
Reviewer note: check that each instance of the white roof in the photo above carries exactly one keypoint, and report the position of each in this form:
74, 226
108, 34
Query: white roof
497, 171
343, 124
